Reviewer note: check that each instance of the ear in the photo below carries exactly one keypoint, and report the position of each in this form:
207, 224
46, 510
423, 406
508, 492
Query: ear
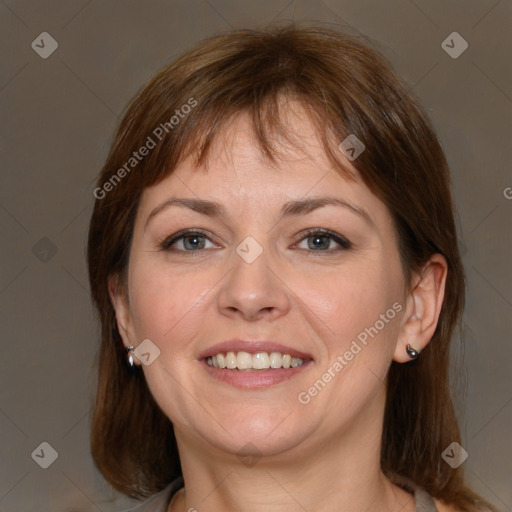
423, 306
119, 299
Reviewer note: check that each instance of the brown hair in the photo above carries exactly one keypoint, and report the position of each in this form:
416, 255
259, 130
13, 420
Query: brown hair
347, 88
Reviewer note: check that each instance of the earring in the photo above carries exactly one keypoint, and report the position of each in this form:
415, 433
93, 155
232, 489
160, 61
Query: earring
130, 356
411, 352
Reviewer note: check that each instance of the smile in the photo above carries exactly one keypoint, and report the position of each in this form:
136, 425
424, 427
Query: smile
254, 371
243, 361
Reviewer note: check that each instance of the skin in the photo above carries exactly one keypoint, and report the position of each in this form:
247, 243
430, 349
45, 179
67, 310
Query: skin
315, 300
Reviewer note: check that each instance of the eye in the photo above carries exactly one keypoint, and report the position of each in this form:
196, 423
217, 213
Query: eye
319, 240
186, 241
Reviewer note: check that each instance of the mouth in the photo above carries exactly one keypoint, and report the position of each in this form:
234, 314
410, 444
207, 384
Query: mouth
253, 365
260, 361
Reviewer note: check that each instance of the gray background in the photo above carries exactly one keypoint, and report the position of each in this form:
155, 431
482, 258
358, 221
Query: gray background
57, 119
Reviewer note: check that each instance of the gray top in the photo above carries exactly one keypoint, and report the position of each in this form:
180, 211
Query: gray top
160, 502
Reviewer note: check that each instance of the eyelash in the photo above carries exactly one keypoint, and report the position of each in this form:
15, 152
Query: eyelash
344, 243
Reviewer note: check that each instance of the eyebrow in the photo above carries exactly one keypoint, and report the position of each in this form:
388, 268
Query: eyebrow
292, 208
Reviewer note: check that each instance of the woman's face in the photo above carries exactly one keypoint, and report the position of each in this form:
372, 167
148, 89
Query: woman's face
255, 274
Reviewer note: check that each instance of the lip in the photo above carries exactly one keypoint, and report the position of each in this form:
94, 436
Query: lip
257, 379
252, 347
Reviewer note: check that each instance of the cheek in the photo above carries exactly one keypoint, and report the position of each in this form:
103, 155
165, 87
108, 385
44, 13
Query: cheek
362, 311
353, 300
164, 301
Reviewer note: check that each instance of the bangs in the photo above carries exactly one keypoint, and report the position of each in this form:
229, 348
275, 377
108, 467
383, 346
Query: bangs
261, 78
269, 120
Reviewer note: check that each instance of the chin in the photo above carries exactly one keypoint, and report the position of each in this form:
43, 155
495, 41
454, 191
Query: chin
257, 435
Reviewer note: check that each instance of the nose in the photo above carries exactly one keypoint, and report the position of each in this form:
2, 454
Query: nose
254, 290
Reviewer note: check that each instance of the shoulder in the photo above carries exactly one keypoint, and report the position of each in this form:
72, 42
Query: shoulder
445, 507
159, 502
442, 506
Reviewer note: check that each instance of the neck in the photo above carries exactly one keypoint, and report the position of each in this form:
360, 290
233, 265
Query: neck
342, 473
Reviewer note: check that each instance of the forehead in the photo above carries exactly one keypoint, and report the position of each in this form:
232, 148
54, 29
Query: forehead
236, 161
236, 154
238, 174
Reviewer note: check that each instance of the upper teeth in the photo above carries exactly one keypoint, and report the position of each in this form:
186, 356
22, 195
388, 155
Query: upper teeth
258, 361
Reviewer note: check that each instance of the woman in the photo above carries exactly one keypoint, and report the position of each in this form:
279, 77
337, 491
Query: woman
274, 260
